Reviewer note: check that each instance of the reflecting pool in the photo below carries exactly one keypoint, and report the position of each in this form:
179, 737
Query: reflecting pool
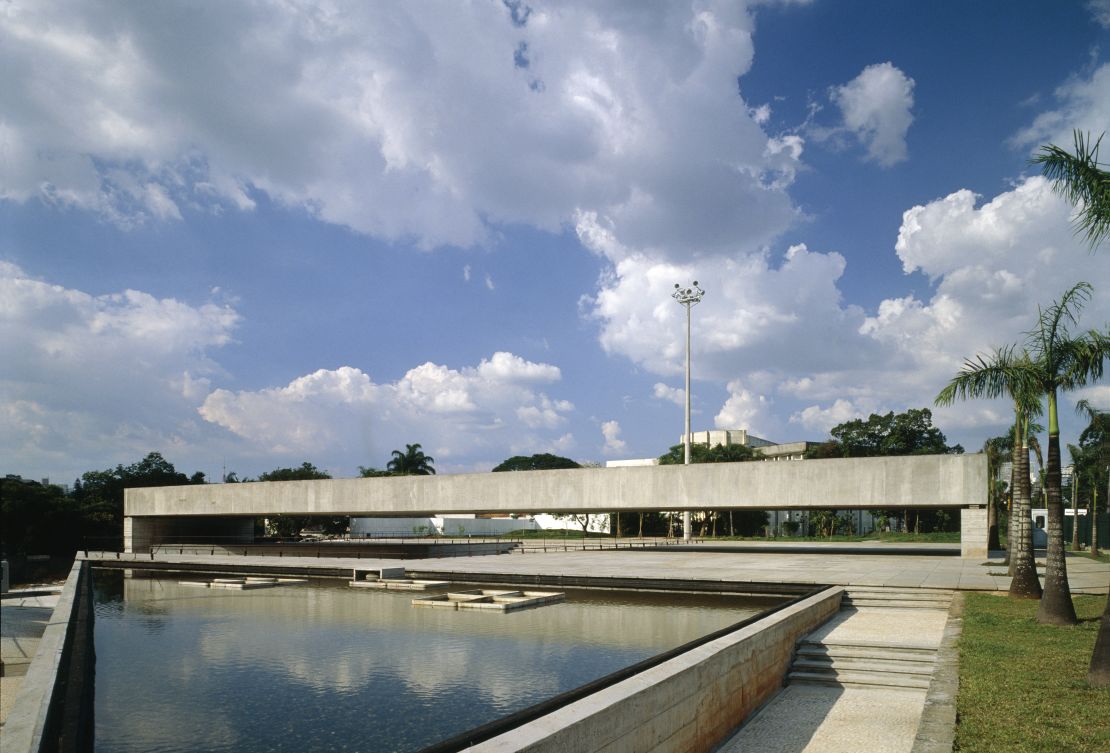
325, 667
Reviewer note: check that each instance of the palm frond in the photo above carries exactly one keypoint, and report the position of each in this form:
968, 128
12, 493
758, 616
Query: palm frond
1002, 374
1082, 182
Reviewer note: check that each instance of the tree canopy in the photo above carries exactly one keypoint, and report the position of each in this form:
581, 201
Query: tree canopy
540, 462
305, 472
908, 433
411, 462
700, 453
100, 493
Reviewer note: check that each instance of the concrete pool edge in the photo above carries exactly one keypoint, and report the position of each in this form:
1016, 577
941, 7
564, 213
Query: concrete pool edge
688, 703
36, 715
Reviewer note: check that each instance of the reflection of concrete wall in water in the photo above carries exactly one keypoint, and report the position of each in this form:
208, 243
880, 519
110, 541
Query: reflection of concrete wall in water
616, 621
463, 525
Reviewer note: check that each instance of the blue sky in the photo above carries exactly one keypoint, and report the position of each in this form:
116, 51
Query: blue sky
252, 234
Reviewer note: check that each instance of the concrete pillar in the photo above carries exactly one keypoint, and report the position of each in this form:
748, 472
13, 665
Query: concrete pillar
973, 532
137, 534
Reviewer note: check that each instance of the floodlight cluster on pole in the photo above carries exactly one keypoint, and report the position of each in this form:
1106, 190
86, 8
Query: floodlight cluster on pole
688, 297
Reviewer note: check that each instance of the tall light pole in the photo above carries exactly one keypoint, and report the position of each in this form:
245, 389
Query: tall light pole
688, 297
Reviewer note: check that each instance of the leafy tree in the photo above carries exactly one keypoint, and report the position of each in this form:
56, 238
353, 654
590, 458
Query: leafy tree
1093, 467
411, 462
38, 518
1078, 178
1006, 373
541, 462
100, 493
909, 433
305, 472
1092, 463
700, 453
365, 472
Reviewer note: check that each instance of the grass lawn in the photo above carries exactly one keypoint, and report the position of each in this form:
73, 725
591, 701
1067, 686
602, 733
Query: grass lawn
1103, 555
1023, 686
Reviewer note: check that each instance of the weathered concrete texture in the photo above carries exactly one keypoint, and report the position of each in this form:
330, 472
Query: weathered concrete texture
937, 731
973, 532
877, 627
913, 481
22, 622
686, 704
819, 719
868, 685
26, 720
140, 533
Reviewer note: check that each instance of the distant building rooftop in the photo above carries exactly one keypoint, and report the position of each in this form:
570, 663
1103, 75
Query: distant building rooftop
712, 437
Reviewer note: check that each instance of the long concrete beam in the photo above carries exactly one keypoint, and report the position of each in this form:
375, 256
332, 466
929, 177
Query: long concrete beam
893, 482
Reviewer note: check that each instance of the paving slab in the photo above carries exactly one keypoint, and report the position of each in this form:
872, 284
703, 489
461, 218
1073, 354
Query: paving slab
817, 719
22, 622
901, 627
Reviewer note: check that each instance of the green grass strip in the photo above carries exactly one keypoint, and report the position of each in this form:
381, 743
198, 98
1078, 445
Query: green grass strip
1023, 686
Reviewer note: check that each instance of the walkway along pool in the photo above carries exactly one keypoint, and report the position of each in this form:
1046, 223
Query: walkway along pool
322, 666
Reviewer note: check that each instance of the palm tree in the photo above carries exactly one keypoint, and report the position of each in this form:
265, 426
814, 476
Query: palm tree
1061, 362
1098, 675
1079, 179
411, 462
1007, 373
993, 449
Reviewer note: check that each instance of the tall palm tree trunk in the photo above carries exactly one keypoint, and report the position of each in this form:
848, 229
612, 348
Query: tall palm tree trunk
1056, 606
1011, 520
1074, 508
1098, 676
993, 544
1025, 584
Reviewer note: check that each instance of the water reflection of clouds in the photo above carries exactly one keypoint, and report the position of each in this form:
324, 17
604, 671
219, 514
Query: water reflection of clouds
362, 655
150, 727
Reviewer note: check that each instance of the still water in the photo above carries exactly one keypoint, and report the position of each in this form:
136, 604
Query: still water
325, 667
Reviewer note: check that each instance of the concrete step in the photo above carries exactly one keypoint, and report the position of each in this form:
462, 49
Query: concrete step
864, 648
14, 667
869, 603
866, 654
864, 664
899, 598
899, 590
859, 678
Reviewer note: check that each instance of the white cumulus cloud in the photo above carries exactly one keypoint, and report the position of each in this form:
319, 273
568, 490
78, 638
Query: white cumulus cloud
877, 107
82, 372
675, 395
343, 414
392, 120
611, 431
1083, 104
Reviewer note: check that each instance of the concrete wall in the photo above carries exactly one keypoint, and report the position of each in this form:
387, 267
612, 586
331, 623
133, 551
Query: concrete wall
912, 481
973, 532
139, 534
37, 719
685, 705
